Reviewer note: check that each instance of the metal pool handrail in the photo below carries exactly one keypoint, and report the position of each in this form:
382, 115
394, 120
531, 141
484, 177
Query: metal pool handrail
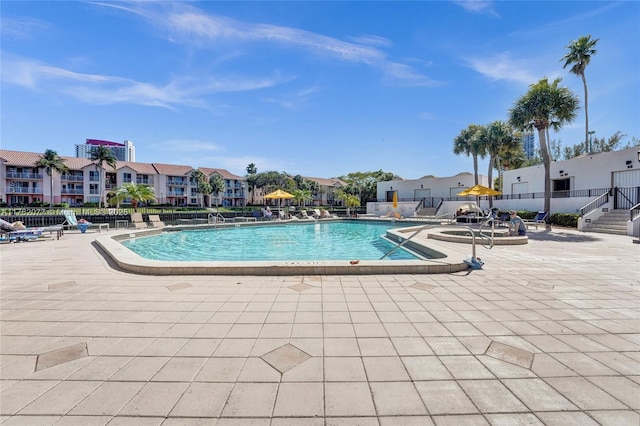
422, 228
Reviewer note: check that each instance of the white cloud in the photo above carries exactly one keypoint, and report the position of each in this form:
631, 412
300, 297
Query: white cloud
503, 67
105, 90
478, 6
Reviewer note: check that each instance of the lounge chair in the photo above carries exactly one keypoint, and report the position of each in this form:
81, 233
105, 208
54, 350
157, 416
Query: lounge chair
137, 221
303, 215
540, 218
12, 233
82, 225
155, 221
315, 213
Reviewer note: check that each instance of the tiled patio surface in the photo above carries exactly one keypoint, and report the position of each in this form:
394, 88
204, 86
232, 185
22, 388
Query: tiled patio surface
546, 333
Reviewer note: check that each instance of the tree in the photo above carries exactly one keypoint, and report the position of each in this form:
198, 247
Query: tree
543, 106
100, 155
50, 161
202, 185
469, 143
364, 185
217, 186
301, 196
497, 137
349, 200
137, 193
251, 176
578, 57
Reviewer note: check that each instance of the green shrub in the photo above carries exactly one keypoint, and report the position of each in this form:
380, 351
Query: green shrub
568, 220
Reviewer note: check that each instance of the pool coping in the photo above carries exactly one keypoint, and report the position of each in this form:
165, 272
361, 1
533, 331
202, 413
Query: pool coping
451, 260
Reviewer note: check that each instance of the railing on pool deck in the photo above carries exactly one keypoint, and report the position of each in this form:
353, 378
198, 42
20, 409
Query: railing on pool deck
211, 218
422, 228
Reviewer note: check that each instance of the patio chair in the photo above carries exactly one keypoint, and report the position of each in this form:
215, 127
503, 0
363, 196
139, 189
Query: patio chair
155, 221
82, 224
303, 215
540, 218
137, 221
315, 213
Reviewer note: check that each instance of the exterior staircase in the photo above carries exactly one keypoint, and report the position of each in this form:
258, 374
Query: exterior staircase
613, 222
427, 211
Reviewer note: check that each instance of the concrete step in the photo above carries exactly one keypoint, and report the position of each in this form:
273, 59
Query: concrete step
607, 231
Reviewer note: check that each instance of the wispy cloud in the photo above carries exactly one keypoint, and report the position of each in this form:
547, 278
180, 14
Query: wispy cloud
478, 6
188, 145
105, 89
293, 101
188, 24
22, 29
503, 67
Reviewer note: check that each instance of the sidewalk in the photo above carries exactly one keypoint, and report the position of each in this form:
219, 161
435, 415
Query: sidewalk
546, 333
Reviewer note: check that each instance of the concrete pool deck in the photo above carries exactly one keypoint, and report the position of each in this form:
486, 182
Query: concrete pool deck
546, 333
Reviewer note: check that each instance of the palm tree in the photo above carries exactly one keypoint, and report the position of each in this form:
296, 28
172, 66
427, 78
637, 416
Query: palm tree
202, 184
349, 200
469, 142
301, 196
543, 106
100, 155
50, 161
217, 186
496, 137
252, 178
579, 56
136, 193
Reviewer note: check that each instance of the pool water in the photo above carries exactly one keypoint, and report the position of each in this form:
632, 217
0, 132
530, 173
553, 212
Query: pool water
315, 241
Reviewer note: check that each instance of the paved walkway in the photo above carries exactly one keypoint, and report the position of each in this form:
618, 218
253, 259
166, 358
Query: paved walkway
546, 333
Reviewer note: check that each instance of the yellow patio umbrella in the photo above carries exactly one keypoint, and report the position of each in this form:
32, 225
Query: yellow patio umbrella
395, 200
479, 191
279, 193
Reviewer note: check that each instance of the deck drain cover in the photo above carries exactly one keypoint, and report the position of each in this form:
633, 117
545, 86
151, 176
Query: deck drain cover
179, 286
423, 286
285, 357
538, 284
60, 356
300, 287
510, 354
62, 285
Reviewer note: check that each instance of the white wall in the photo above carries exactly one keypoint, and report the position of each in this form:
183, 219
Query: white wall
437, 186
586, 172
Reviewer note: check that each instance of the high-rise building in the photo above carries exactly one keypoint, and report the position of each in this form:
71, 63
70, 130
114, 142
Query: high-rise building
122, 151
529, 145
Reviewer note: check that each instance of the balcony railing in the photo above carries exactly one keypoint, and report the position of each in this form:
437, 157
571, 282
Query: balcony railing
176, 194
18, 175
179, 182
74, 178
72, 191
23, 190
144, 181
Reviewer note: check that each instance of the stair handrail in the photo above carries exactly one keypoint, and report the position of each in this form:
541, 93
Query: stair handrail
588, 208
634, 212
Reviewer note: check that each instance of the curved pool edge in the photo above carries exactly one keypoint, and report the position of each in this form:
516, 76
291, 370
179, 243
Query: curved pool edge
127, 260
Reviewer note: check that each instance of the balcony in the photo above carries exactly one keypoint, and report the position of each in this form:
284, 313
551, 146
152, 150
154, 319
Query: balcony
19, 175
72, 178
176, 194
144, 181
72, 191
23, 190
178, 182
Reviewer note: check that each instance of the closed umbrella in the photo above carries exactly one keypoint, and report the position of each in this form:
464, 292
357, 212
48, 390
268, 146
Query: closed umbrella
395, 200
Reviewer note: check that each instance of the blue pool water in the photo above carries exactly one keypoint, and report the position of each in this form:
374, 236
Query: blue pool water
313, 241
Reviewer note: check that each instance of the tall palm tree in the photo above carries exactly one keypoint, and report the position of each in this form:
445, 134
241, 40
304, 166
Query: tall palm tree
469, 143
100, 155
349, 200
202, 185
252, 178
50, 161
579, 56
544, 106
217, 186
496, 137
136, 193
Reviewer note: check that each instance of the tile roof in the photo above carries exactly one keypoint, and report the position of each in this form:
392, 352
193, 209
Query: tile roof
140, 168
327, 182
224, 173
172, 169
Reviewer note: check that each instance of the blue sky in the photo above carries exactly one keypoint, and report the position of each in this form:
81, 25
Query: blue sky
313, 88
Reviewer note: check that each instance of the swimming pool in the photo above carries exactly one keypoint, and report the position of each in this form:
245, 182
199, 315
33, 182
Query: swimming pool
342, 240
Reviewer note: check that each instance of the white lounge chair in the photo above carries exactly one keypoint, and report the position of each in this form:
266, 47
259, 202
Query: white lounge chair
155, 221
137, 221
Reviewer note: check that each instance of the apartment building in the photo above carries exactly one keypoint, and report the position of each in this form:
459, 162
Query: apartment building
21, 183
122, 151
